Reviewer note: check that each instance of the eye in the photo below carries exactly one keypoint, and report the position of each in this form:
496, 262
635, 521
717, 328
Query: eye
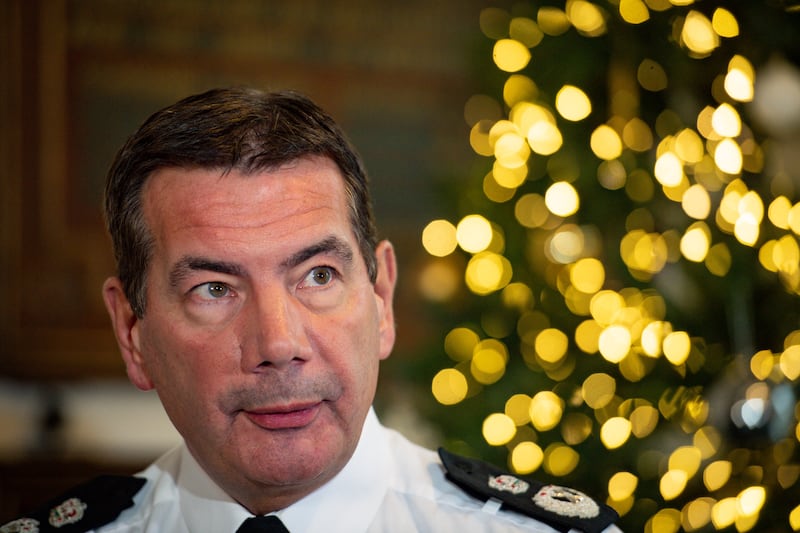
213, 290
320, 276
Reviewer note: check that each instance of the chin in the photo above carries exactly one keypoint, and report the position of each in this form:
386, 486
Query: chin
299, 460
297, 469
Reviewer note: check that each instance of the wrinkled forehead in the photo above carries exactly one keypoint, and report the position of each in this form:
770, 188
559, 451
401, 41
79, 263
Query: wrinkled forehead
301, 195
246, 172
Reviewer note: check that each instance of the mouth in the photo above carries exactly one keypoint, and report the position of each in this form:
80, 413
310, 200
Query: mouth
288, 417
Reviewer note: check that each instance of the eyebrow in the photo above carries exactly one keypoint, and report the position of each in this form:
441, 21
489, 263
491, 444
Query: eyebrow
329, 246
188, 264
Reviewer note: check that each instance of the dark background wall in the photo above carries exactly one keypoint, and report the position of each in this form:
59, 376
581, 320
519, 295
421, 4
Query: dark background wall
79, 76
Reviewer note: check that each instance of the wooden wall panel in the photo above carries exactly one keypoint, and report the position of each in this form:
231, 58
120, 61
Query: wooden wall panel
81, 75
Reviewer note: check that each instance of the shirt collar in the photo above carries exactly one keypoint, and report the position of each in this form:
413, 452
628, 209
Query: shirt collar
206, 507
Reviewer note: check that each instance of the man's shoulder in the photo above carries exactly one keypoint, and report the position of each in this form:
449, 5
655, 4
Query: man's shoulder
86, 507
487, 493
560, 507
108, 501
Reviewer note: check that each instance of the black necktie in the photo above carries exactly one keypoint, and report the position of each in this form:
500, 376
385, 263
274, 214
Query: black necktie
262, 524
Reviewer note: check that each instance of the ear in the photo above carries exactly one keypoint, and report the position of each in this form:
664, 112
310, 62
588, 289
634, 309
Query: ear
384, 295
126, 328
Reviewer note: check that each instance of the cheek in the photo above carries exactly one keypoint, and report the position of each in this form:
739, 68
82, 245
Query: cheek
356, 348
189, 380
178, 362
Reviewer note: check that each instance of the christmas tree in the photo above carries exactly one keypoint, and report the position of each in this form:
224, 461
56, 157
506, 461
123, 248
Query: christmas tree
619, 277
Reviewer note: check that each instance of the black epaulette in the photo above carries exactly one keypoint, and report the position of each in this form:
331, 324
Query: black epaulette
83, 508
560, 507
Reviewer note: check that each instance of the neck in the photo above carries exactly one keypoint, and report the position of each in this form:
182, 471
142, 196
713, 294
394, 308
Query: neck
270, 500
263, 496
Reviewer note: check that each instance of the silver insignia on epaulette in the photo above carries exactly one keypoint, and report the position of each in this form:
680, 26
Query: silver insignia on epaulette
69, 512
565, 501
21, 525
508, 483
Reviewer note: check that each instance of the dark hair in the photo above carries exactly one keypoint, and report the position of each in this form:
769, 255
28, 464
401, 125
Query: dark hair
236, 128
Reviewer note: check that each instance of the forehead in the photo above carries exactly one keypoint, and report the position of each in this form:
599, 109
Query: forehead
199, 196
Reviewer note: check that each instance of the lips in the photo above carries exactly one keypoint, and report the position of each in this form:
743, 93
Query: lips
293, 417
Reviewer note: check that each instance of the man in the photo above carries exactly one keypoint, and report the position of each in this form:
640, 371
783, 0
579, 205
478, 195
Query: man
254, 296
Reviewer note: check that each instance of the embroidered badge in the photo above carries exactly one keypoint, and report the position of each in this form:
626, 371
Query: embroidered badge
69, 512
566, 502
23, 525
508, 483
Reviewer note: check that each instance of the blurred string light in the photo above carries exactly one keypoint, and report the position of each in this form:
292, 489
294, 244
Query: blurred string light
704, 168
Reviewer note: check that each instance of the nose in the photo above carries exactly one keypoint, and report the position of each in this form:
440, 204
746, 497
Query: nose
278, 335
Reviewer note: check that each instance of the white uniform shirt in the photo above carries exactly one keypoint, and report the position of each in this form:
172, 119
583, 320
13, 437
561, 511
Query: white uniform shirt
390, 485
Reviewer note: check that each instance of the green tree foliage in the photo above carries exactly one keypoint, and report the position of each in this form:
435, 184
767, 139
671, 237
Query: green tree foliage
620, 276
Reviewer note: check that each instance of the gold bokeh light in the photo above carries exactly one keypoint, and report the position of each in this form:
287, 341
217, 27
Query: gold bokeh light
449, 386
606, 143
526, 31
606, 208
598, 390
588, 275
622, 485
473, 233
633, 11
669, 169
498, 429
572, 103
588, 18
511, 55
724, 23
696, 242
488, 272
517, 408
615, 432
526, 457
651, 76
562, 199
546, 410
560, 460
698, 34
726, 121
552, 20
696, 202
544, 137
673, 482
439, 238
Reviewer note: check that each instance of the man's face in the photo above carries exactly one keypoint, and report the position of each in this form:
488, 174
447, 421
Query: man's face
262, 333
